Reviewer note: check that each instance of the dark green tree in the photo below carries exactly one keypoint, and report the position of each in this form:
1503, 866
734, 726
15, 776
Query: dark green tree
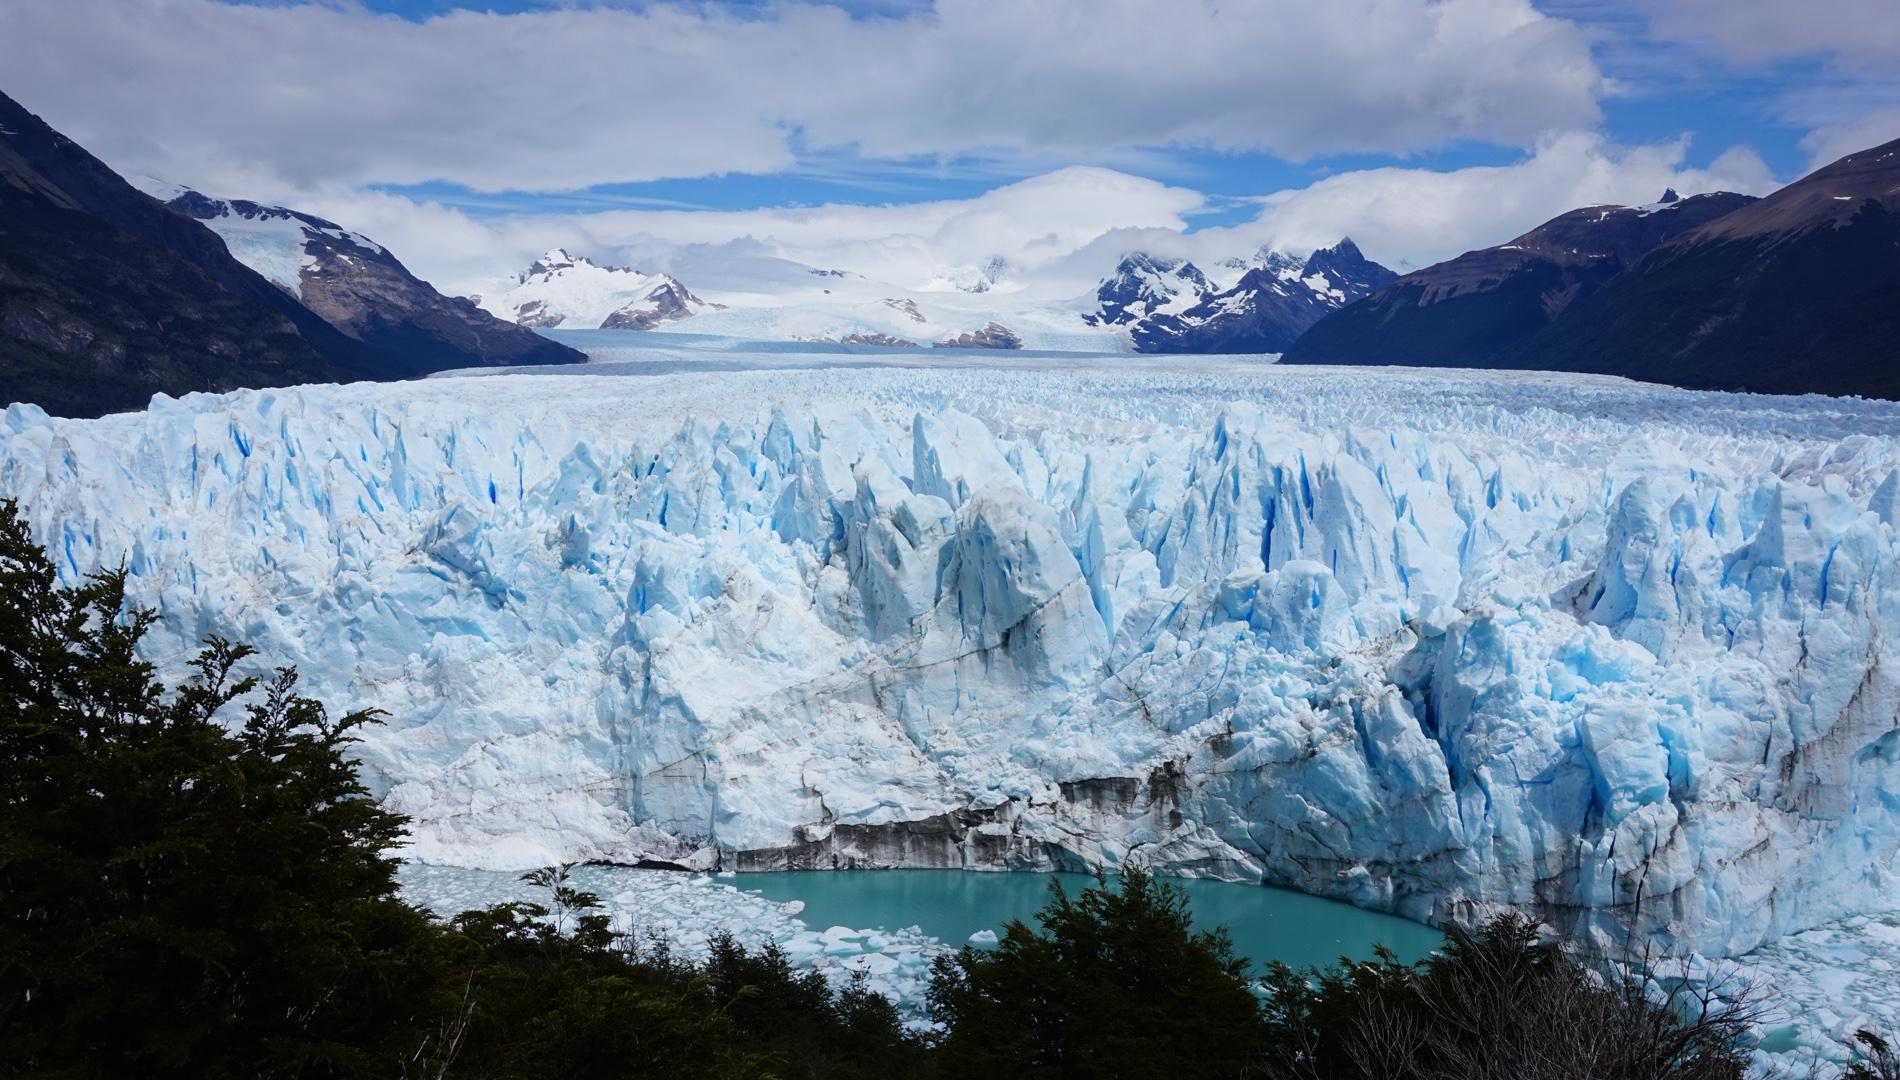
192, 880
1115, 982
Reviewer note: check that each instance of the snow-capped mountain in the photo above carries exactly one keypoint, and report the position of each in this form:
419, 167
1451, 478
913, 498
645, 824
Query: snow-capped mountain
360, 287
281, 244
574, 292
1143, 285
1171, 306
108, 296
93, 278
979, 277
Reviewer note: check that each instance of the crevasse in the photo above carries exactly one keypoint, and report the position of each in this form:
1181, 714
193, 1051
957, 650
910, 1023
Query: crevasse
1419, 646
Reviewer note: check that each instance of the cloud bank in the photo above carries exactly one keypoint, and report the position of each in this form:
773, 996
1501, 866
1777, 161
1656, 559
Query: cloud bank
300, 97
1065, 228
320, 105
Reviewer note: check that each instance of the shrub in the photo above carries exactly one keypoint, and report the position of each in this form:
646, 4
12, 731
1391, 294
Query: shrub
1496, 1004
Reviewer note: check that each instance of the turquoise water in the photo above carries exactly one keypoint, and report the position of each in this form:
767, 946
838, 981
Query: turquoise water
1266, 924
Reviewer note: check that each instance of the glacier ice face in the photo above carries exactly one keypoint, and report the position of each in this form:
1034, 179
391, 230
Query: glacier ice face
1426, 642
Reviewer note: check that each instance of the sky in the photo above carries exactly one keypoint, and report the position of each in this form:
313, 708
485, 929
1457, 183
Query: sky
898, 138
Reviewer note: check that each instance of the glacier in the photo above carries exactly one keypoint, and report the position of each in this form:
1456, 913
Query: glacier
1430, 642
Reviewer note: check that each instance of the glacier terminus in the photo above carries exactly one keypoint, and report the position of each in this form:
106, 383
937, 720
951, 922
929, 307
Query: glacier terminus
1428, 642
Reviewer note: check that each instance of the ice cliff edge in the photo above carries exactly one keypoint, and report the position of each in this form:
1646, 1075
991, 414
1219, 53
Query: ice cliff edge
1616, 671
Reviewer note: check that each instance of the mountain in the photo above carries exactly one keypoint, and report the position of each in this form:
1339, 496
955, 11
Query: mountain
359, 287
978, 278
563, 289
988, 336
1272, 304
107, 297
1466, 312
1796, 293
1143, 285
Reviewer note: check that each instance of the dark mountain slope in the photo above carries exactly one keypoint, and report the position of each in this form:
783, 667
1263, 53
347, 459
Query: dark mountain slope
1797, 293
363, 290
1471, 310
107, 297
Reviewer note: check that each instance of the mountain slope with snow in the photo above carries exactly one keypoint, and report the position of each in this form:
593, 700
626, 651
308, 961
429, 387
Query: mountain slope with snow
361, 288
1613, 653
1797, 292
572, 291
1171, 306
1143, 286
107, 297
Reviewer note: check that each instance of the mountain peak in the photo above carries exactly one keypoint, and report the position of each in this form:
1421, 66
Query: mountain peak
558, 258
1668, 196
1344, 249
568, 290
1347, 269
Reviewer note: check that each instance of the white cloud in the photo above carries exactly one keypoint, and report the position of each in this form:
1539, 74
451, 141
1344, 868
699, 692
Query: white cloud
285, 98
1856, 32
1835, 60
1414, 217
1065, 229
1035, 224
1843, 134
308, 104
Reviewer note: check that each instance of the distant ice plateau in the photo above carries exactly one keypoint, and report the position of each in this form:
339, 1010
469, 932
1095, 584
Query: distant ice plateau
1429, 642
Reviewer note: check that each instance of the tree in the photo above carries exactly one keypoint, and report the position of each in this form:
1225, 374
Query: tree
1496, 1003
1116, 982
179, 897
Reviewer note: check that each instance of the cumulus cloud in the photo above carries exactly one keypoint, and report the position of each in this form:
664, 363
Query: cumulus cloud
1414, 217
302, 96
317, 105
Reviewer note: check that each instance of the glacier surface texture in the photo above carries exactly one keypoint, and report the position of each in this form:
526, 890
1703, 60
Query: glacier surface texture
1423, 641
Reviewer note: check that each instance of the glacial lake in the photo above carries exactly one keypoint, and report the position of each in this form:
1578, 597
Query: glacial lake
829, 916
1266, 924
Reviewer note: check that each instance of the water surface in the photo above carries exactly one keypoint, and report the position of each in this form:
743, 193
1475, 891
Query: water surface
1266, 924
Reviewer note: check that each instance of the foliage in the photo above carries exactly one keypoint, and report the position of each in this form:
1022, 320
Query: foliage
1115, 983
179, 898
1495, 1004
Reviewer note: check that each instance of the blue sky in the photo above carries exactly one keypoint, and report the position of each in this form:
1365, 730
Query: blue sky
898, 136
